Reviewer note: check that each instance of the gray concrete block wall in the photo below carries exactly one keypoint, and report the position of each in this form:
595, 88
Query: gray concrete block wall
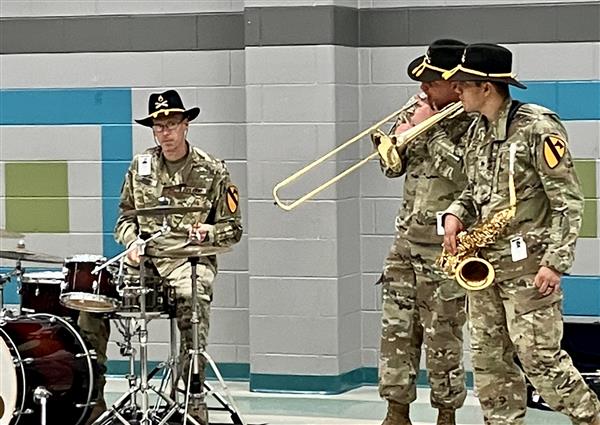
297, 295
297, 111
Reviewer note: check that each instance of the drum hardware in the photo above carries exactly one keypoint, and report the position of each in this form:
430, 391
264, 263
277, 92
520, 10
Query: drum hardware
195, 393
167, 405
143, 415
21, 254
40, 396
40, 293
85, 290
46, 369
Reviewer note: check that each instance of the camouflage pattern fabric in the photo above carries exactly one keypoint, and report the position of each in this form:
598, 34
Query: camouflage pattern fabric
202, 182
417, 312
549, 199
421, 305
511, 316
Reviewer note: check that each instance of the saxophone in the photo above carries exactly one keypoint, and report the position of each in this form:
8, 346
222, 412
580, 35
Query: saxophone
470, 271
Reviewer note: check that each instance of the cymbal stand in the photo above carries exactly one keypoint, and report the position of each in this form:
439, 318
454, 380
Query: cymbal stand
40, 396
126, 329
195, 388
147, 417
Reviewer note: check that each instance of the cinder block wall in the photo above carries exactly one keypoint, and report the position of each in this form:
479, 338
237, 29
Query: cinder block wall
279, 84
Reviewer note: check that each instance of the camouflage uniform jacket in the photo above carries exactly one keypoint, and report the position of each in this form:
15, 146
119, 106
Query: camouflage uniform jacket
202, 181
434, 177
549, 198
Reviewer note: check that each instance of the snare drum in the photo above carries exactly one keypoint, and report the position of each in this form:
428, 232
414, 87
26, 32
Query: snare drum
85, 291
42, 350
157, 298
40, 293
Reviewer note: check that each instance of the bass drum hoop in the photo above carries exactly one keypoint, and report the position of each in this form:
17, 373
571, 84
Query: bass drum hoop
86, 353
18, 363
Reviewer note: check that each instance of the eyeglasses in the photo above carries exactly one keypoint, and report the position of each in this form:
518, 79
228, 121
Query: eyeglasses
169, 125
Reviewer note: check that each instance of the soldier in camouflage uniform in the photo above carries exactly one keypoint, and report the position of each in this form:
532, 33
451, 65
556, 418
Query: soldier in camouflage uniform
521, 312
420, 305
187, 177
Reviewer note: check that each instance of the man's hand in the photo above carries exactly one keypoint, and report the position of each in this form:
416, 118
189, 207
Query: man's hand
547, 280
199, 232
422, 112
452, 227
134, 255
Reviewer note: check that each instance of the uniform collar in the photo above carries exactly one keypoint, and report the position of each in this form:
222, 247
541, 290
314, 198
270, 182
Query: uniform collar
498, 129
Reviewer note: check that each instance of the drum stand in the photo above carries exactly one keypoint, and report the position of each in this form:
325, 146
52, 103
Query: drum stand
194, 395
40, 396
142, 415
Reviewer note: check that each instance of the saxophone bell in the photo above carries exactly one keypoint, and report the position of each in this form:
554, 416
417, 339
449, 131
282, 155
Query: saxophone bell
474, 273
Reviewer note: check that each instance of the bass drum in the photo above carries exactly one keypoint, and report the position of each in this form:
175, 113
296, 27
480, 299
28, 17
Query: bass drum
42, 350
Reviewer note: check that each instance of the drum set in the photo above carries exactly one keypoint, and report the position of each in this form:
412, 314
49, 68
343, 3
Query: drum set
48, 371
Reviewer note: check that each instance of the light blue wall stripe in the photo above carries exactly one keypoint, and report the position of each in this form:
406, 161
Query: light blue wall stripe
65, 106
109, 108
116, 155
572, 100
582, 295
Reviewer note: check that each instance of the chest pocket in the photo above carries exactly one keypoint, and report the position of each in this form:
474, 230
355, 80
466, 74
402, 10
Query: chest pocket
147, 191
479, 173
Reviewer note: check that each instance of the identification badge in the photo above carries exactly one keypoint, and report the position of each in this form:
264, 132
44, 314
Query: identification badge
439, 225
145, 165
518, 249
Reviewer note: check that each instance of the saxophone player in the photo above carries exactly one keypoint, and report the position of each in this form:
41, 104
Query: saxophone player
420, 306
521, 312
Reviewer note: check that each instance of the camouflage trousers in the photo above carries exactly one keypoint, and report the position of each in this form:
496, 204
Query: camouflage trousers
511, 318
421, 307
95, 328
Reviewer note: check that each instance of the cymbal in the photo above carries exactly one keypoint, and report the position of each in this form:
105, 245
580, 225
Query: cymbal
162, 210
10, 235
24, 255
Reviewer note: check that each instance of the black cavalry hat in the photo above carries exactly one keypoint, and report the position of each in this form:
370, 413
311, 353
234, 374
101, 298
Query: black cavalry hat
441, 56
485, 62
166, 103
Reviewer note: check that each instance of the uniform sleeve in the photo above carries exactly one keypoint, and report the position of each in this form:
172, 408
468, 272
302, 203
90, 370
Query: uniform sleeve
404, 117
559, 179
126, 229
227, 220
463, 207
446, 153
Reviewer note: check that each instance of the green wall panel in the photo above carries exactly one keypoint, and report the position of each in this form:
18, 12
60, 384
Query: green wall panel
37, 198
590, 222
586, 171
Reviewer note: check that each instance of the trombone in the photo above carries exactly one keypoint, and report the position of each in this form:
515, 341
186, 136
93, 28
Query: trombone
407, 136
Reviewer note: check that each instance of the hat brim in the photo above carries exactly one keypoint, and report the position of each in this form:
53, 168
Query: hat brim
190, 114
465, 76
427, 76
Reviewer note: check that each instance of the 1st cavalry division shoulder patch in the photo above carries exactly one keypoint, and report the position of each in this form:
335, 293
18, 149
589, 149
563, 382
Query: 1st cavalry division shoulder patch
233, 198
554, 150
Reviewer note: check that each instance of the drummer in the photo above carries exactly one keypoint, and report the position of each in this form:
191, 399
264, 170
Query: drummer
180, 175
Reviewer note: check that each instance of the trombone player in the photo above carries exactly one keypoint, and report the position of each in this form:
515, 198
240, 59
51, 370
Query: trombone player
420, 305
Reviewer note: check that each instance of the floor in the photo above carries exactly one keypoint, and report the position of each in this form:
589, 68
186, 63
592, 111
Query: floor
359, 406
